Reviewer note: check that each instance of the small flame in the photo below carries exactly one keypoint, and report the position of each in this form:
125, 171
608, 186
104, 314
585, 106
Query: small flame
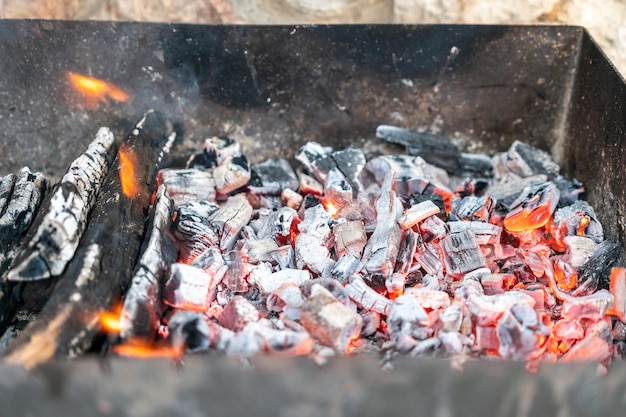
331, 208
128, 175
141, 349
95, 91
584, 221
110, 320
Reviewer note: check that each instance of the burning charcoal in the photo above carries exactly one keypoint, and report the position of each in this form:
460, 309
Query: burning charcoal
475, 165
451, 318
231, 175
436, 150
237, 270
511, 186
268, 283
408, 318
463, 254
212, 262
495, 283
371, 323
260, 250
429, 299
395, 283
337, 189
309, 185
63, 222
328, 320
311, 243
578, 250
518, 330
412, 174
579, 219
474, 208
533, 208
454, 343
237, 314
230, 219
476, 274
570, 190
291, 198
346, 266
487, 309
187, 185
617, 289
278, 224
193, 230
189, 331
336, 289
485, 233
433, 229
595, 271
486, 338
591, 349
417, 213
272, 177
189, 288
141, 310
284, 257
366, 297
426, 348
312, 151
381, 250
407, 252
286, 299
525, 160
592, 307
427, 256
568, 329
618, 332
351, 163
220, 150
350, 238
260, 337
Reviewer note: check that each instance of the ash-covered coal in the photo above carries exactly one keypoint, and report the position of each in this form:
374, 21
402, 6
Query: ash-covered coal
402, 254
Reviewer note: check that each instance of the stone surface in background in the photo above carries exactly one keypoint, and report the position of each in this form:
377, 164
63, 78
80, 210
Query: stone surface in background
605, 19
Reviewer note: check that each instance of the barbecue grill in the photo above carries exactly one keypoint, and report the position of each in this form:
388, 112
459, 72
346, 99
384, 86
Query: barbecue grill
273, 89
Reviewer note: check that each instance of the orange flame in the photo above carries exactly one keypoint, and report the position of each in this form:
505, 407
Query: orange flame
95, 91
331, 208
110, 320
141, 349
127, 173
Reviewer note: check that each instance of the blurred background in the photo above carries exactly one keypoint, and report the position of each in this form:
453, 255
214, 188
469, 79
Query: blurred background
605, 19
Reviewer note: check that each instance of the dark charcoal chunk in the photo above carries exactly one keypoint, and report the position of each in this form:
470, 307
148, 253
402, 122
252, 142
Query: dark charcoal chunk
570, 190
435, 150
595, 272
272, 177
525, 160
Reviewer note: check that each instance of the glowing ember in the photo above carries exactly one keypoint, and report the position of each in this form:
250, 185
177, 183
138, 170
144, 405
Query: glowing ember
95, 91
127, 173
143, 350
378, 266
110, 320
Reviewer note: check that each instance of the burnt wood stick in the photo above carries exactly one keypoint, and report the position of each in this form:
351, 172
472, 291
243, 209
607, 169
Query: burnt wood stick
20, 197
142, 307
62, 223
102, 268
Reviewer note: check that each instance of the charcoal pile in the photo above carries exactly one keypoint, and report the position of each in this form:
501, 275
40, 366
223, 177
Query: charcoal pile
432, 252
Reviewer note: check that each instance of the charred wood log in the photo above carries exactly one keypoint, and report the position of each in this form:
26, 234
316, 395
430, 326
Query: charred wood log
63, 222
95, 278
20, 197
142, 308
